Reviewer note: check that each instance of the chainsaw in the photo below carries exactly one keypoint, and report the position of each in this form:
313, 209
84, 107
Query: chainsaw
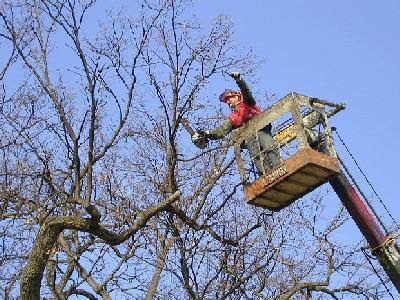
198, 137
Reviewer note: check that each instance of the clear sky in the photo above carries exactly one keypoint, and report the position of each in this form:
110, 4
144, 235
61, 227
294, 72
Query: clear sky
343, 51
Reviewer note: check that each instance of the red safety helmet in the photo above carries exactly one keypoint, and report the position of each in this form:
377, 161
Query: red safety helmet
228, 93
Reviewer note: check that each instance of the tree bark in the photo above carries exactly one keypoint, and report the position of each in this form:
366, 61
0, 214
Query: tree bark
33, 272
158, 269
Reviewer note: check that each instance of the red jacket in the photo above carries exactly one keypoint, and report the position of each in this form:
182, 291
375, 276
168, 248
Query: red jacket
244, 113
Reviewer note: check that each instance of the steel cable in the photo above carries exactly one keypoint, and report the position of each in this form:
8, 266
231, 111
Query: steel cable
376, 272
365, 177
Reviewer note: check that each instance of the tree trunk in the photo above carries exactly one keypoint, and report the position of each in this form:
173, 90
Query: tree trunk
33, 272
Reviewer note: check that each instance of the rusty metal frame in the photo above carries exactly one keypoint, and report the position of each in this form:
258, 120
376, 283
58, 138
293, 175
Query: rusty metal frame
304, 171
321, 110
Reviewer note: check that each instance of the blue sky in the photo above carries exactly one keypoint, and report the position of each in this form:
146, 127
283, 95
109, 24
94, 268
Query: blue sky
343, 51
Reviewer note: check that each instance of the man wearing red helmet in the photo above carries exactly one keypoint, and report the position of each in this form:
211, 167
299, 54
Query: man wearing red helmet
244, 108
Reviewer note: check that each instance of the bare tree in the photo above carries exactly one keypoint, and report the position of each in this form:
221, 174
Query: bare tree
102, 193
71, 132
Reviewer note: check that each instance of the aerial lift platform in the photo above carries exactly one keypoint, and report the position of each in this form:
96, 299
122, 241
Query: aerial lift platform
308, 159
302, 128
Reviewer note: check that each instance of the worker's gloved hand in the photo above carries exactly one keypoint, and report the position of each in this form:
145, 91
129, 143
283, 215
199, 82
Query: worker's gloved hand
235, 75
199, 138
203, 133
196, 136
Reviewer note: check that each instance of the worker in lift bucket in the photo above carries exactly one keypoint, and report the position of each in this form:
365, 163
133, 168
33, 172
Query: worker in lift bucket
261, 146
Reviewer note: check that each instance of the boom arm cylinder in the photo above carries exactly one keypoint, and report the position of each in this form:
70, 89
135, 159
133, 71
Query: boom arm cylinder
383, 247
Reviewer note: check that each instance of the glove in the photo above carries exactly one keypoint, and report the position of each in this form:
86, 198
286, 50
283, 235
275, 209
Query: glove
199, 138
235, 75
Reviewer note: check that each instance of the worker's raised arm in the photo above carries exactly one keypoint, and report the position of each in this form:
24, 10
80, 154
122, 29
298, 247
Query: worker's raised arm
244, 89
